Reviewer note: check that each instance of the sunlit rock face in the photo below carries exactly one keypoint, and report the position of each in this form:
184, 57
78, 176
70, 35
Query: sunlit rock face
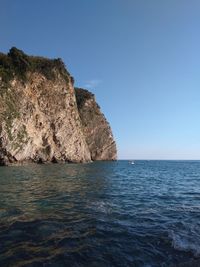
39, 118
96, 129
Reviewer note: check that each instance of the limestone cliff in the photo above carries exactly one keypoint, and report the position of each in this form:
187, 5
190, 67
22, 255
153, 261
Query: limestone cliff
96, 129
39, 119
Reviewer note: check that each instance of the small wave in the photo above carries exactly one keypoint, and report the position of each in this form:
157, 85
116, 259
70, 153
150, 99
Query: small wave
101, 206
185, 242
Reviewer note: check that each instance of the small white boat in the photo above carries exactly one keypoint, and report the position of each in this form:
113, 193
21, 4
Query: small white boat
132, 162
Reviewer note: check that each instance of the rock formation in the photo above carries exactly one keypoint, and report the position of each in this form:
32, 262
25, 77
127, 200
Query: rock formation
39, 118
95, 127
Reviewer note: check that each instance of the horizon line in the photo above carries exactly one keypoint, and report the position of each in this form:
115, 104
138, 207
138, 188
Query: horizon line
164, 159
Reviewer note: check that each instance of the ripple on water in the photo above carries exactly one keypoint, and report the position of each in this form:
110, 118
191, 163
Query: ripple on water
100, 214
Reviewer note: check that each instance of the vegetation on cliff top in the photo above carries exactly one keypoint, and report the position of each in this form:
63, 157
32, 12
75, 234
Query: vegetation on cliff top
82, 95
17, 63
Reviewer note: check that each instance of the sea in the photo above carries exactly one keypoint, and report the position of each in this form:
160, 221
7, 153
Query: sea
145, 214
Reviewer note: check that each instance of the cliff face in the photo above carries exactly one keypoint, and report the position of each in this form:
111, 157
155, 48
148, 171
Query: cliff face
39, 119
96, 129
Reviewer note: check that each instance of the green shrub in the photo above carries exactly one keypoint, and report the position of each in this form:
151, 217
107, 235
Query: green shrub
82, 95
17, 63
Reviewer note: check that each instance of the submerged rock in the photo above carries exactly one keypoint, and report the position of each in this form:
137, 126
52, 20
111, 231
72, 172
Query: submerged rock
39, 118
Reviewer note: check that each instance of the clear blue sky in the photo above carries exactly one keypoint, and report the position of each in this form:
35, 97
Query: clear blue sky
140, 57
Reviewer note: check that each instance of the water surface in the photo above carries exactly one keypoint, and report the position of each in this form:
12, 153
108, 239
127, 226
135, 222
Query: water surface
100, 214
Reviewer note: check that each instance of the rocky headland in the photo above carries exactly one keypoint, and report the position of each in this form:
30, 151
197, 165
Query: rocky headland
44, 119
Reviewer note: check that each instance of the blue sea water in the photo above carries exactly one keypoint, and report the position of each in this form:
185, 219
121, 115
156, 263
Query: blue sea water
100, 214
